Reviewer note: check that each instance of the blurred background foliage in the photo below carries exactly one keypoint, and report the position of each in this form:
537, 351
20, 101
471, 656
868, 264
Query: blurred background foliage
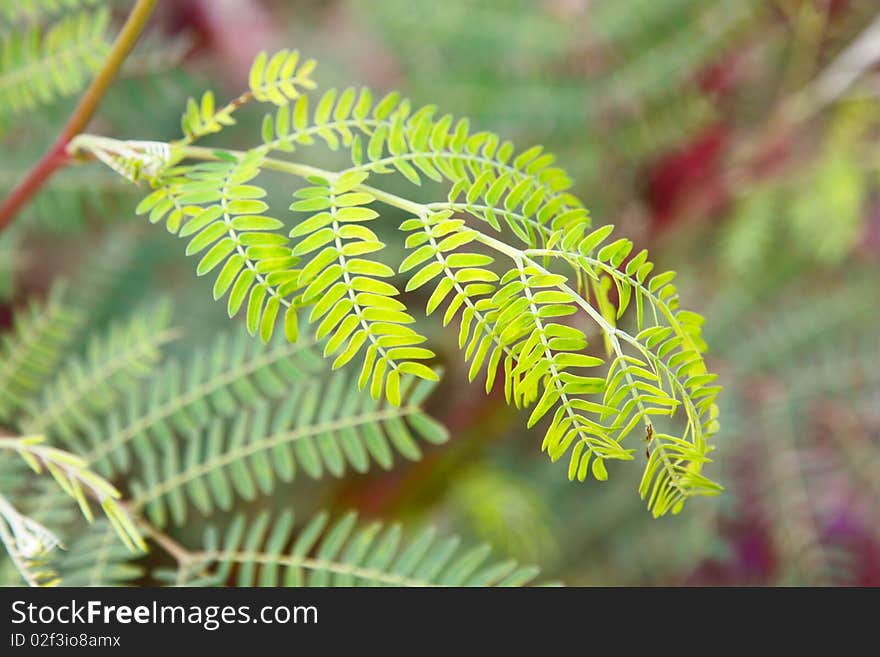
736, 139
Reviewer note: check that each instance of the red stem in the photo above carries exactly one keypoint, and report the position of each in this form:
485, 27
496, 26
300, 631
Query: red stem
57, 156
54, 159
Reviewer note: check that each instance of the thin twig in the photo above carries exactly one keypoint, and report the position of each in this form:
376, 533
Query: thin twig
181, 554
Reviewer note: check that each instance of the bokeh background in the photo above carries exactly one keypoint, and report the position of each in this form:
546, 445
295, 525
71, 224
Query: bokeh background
738, 140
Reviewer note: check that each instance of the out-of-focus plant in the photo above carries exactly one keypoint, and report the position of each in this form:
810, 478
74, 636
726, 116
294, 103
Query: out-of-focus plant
736, 139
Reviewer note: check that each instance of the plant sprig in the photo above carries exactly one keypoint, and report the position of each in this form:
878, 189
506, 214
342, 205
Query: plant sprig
75, 479
486, 254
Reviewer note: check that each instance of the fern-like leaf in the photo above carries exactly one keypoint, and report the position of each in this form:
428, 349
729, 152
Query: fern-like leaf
228, 377
315, 429
113, 363
338, 554
277, 80
37, 67
213, 205
96, 558
202, 118
388, 136
222, 216
347, 293
30, 353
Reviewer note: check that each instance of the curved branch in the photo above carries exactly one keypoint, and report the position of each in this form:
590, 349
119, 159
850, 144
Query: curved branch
57, 155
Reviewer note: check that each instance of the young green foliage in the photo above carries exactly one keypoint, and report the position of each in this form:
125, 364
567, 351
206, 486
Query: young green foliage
278, 80
509, 253
74, 478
